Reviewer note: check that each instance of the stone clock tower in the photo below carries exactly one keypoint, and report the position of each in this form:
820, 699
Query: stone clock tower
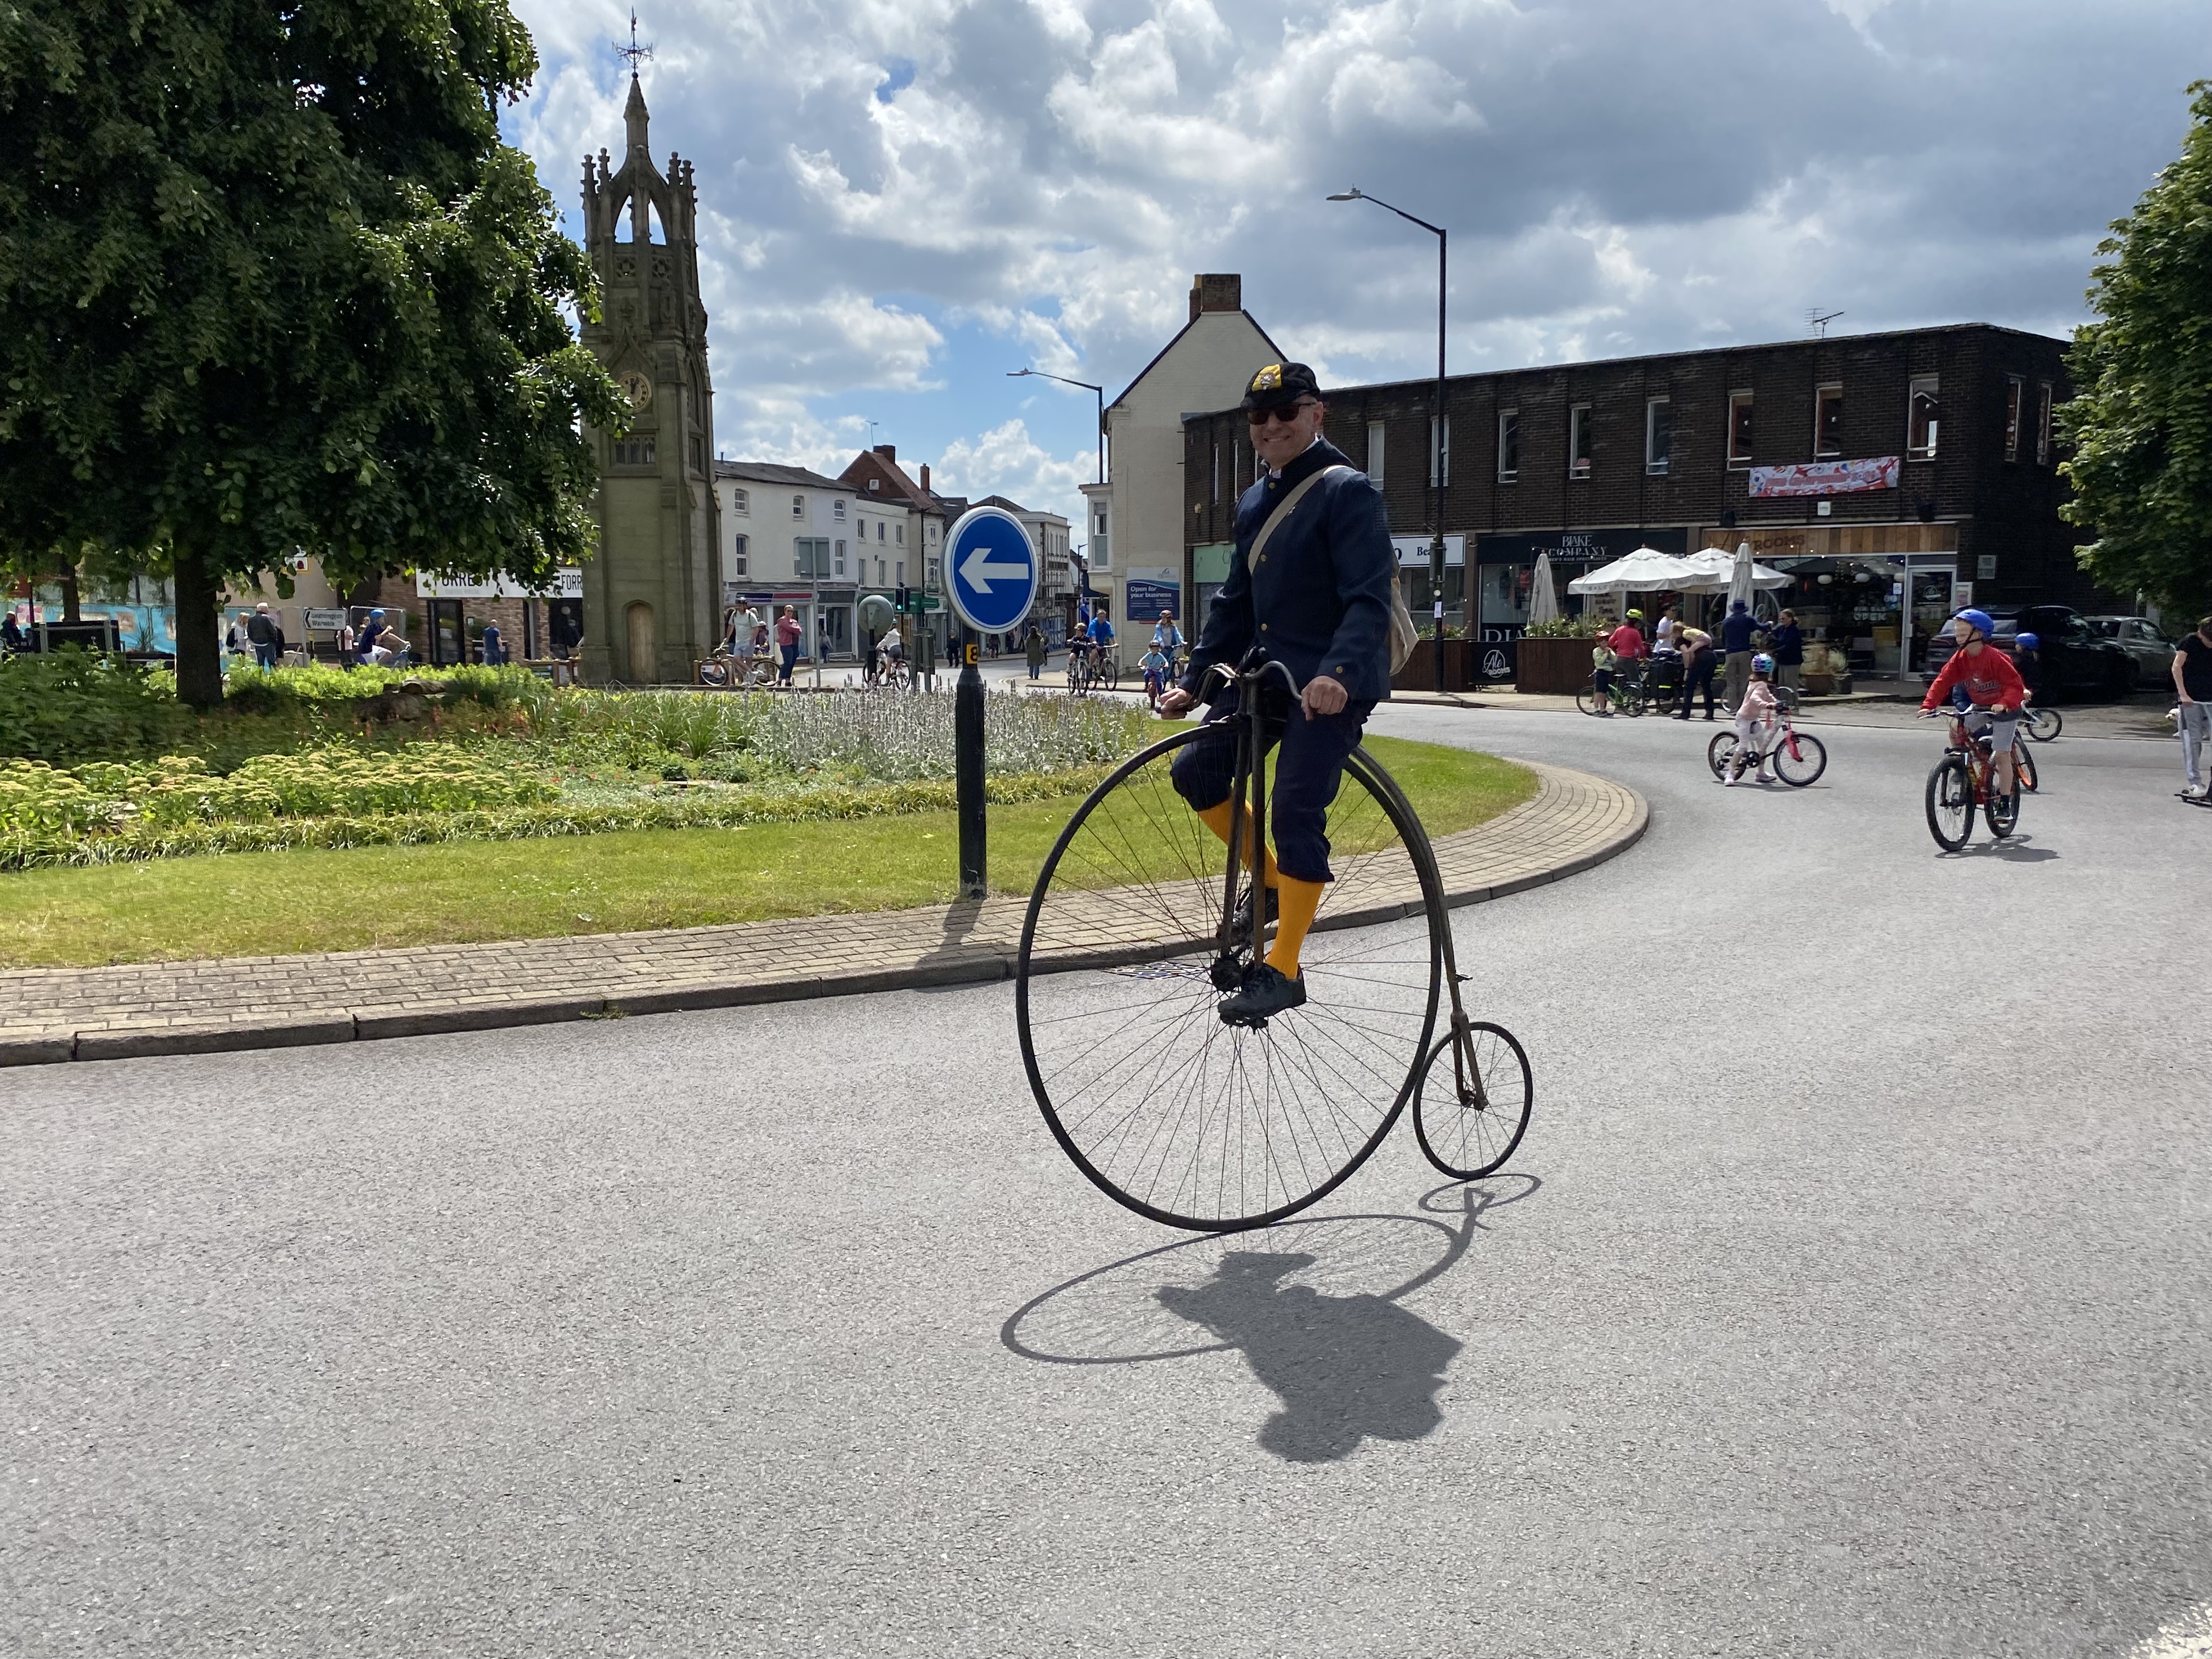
651, 601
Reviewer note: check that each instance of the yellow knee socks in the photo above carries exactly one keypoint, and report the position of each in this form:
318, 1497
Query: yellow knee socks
1217, 819
1296, 902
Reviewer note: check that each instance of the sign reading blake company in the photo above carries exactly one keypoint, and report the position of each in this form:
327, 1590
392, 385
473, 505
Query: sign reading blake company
1825, 477
1569, 547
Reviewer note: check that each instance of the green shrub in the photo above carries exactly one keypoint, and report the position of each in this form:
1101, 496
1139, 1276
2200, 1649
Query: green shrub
70, 704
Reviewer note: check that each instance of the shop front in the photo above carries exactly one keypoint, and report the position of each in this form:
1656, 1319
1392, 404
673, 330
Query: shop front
1507, 573
1877, 592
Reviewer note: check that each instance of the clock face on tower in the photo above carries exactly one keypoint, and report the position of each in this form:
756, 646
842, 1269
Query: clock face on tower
636, 388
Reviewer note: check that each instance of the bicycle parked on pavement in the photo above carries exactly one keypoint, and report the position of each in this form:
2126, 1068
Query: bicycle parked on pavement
1625, 695
1142, 921
1963, 781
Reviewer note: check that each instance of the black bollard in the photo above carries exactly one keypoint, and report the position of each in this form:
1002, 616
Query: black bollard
968, 768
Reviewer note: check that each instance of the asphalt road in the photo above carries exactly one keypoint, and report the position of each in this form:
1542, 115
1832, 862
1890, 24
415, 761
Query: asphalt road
1849, 1297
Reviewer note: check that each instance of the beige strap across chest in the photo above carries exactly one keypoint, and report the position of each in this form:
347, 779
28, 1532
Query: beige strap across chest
1284, 507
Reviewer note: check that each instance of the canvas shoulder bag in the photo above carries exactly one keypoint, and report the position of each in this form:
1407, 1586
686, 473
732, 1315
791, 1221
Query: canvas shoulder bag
1402, 635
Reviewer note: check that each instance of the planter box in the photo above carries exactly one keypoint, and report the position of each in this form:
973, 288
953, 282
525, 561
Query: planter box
1559, 667
1420, 673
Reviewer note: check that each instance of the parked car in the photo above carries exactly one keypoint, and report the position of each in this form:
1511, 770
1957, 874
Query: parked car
2077, 661
2144, 641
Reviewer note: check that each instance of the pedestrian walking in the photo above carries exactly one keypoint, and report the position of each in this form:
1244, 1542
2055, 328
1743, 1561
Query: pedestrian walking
261, 632
1737, 629
1697, 648
1034, 648
789, 633
2193, 678
494, 648
1787, 645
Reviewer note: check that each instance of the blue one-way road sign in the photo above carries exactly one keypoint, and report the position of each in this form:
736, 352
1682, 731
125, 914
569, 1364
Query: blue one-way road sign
991, 569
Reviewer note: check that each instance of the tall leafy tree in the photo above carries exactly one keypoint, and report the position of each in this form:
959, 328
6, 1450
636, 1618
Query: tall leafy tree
270, 281
2141, 418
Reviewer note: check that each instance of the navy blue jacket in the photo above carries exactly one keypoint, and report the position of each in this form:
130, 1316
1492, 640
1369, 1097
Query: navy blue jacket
1790, 645
1319, 599
1737, 629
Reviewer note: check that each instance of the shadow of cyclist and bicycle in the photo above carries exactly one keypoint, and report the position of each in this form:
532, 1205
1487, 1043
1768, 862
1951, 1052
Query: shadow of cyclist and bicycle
1315, 1306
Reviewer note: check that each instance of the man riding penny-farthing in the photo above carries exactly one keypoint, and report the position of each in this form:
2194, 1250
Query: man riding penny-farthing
1218, 1032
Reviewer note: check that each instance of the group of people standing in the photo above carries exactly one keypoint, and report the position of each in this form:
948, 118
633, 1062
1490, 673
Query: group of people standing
746, 634
1625, 650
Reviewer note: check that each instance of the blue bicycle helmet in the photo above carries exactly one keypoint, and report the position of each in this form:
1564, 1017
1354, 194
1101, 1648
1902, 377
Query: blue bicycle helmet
1762, 664
1979, 621
2029, 643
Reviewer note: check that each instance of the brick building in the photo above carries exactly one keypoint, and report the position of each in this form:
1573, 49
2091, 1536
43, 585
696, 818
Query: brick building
1922, 457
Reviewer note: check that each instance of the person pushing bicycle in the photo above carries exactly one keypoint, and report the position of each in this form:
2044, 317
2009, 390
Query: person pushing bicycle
1316, 598
1992, 686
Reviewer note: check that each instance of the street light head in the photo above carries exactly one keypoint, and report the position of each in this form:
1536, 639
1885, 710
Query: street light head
1016, 374
1351, 195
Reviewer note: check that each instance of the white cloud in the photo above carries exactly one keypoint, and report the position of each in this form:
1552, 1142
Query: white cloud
904, 199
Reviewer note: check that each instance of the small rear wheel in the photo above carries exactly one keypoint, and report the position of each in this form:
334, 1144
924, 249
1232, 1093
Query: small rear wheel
1800, 759
1475, 1097
1950, 804
2043, 724
1587, 699
1719, 751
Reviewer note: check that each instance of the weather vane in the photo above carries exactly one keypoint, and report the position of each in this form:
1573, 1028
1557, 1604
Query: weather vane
634, 54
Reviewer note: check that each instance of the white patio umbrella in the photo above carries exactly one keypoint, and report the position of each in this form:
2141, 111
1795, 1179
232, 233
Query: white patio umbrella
1646, 568
1543, 597
1748, 576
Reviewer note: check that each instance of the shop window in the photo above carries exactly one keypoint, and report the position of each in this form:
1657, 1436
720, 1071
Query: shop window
1377, 433
2042, 424
1828, 421
1922, 418
1509, 444
2015, 395
1658, 435
738, 554
1439, 450
1579, 441
1739, 429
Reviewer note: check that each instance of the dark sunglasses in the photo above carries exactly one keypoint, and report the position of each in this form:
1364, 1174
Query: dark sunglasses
1262, 416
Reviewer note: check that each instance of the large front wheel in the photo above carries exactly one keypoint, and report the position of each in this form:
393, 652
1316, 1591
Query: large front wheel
1950, 804
1129, 947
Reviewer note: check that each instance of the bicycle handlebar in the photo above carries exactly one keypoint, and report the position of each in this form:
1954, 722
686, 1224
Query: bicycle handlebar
1255, 675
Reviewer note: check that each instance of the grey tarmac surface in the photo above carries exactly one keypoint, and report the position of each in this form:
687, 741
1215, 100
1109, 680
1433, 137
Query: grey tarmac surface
1847, 1297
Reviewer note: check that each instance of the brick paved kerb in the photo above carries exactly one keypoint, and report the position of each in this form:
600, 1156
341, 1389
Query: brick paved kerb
50, 1014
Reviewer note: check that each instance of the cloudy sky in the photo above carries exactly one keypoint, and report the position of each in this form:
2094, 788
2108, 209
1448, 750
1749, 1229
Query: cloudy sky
904, 199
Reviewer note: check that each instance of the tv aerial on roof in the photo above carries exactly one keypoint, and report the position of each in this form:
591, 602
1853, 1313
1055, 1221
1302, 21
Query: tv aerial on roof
1816, 322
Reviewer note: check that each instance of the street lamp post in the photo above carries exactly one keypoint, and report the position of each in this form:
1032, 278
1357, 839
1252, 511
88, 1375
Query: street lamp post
1437, 447
1019, 373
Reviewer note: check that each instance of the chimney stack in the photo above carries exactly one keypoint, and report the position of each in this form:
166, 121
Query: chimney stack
925, 477
1216, 291
889, 452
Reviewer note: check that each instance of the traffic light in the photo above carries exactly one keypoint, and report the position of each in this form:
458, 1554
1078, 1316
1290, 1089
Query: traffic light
899, 604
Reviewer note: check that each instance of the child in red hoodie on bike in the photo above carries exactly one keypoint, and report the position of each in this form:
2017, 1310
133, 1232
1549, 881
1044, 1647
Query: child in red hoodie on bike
1991, 683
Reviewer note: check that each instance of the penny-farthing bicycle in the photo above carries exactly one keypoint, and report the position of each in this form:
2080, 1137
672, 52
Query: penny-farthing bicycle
1142, 921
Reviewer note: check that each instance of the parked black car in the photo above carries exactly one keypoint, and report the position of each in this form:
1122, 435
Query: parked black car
2077, 661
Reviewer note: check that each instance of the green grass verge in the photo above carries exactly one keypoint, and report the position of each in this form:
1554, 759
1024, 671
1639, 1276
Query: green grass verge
284, 903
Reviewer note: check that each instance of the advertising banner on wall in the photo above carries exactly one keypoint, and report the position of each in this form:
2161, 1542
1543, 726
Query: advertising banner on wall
1825, 477
1145, 593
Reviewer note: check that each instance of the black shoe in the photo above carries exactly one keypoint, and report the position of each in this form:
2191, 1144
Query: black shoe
1266, 992
1240, 926
1681, 717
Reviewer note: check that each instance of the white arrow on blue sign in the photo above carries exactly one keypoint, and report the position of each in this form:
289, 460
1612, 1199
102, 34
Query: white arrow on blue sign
991, 569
